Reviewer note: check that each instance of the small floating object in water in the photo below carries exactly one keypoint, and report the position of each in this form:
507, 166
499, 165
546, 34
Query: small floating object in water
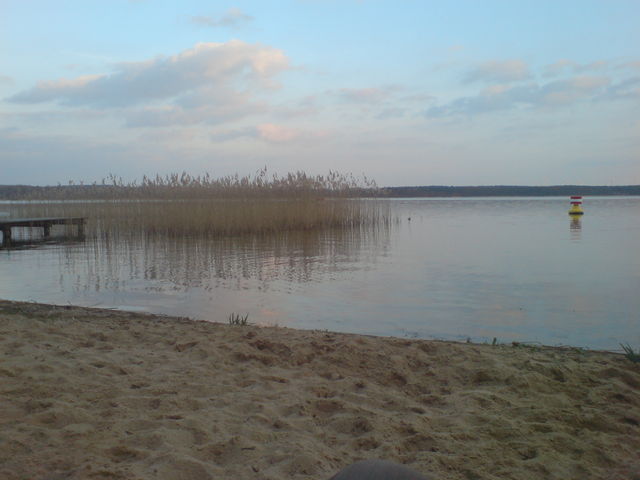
576, 206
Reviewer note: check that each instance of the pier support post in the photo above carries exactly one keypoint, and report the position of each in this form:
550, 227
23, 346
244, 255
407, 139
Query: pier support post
81, 228
6, 236
47, 230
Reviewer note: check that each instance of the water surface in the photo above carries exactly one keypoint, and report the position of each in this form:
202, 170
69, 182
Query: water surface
517, 269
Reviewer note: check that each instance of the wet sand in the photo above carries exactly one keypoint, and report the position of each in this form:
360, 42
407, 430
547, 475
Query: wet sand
100, 394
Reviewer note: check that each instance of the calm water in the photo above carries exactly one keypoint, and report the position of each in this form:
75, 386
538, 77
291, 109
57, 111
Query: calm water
512, 268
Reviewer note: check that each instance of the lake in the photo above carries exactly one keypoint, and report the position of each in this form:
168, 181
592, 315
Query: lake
514, 269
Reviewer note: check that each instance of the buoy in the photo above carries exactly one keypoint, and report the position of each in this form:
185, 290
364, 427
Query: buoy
576, 206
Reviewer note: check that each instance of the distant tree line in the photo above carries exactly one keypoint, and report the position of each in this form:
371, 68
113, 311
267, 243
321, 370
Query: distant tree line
509, 191
29, 192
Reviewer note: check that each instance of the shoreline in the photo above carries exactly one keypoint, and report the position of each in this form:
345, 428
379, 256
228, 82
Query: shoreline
97, 393
132, 310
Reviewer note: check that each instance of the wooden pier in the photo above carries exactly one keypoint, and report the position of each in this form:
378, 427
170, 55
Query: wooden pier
45, 223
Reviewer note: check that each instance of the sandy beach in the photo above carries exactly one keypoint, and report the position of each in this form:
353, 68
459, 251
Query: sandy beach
101, 394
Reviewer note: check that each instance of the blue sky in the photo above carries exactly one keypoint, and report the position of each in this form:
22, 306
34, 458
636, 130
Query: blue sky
407, 92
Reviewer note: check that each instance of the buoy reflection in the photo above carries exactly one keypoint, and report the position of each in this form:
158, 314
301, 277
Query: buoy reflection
575, 228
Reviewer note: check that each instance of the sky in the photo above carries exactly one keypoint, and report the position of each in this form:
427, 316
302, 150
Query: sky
491, 92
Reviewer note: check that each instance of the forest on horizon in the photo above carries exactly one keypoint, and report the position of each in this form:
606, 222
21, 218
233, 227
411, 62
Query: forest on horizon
30, 192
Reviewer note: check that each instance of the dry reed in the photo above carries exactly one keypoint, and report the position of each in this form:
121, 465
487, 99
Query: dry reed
185, 186
233, 205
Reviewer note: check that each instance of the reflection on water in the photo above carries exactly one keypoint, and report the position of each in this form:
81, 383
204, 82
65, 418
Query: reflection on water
460, 268
243, 262
575, 227
195, 276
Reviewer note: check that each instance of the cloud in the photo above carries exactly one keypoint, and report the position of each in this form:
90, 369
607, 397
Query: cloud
596, 66
234, 133
234, 17
277, 133
503, 97
170, 136
394, 112
209, 106
302, 107
626, 89
172, 115
385, 102
556, 68
633, 65
418, 98
567, 66
268, 132
363, 95
366, 95
5, 80
205, 66
498, 71
52, 118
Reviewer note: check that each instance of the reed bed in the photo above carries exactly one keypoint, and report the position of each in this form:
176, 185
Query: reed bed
186, 205
183, 186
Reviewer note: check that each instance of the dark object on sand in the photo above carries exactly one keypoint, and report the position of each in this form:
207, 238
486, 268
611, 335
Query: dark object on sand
377, 470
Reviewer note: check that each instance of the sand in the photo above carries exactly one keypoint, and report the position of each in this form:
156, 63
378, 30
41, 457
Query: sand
100, 394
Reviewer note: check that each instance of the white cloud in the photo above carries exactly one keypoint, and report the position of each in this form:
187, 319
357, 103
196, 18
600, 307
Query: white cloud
206, 65
234, 17
498, 71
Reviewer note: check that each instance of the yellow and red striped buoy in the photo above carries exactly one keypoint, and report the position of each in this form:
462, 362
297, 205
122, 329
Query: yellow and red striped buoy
576, 206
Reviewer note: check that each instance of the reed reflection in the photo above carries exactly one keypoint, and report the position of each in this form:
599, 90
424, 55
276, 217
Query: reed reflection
246, 262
